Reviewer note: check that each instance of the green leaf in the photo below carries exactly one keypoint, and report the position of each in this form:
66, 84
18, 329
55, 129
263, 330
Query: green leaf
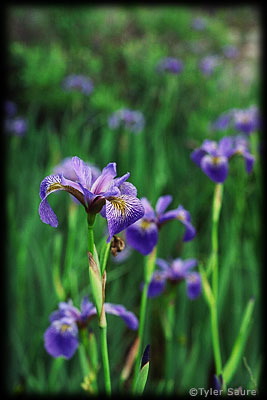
143, 373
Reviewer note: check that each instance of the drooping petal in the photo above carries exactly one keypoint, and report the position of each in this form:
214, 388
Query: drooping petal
87, 309
164, 265
61, 338
193, 285
104, 181
249, 161
167, 216
128, 188
128, 317
184, 216
226, 146
162, 203
83, 172
142, 236
122, 211
197, 155
157, 284
216, 168
51, 184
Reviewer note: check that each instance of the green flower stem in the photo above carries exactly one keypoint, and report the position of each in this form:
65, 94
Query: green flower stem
169, 349
105, 358
217, 204
148, 271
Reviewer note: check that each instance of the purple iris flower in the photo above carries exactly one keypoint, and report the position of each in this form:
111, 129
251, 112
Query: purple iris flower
243, 120
208, 64
213, 158
170, 64
16, 126
132, 120
10, 109
61, 338
230, 51
113, 197
175, 272
78, 82
143, 234
65, 167
199, 24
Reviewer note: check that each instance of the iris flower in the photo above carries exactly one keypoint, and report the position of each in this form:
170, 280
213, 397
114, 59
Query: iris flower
113, 197
175, 272
244, 121
132, 120
143, 234
80, 83
170, 64
209, 63
61, 338
213, 158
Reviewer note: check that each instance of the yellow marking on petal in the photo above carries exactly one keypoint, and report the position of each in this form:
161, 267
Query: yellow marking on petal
54, 186
216, 160
145, 224
181, 216
64, 328
119, 204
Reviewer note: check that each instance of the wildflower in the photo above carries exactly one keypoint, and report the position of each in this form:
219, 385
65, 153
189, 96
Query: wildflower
113, 197
79, 82
10, 109
143, 235
132, 120
213, 157
65, 167
243, 120
175, 272
208, 64
61, 338
16, 126
198, 23
170, 64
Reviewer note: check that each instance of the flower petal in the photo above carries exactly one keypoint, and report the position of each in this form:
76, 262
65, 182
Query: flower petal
83, 172
194, 286
61, 338
216, 168
119, 310
103, 182
149, 212
122, 211
164, 265
162, 203
157, 284
142, 236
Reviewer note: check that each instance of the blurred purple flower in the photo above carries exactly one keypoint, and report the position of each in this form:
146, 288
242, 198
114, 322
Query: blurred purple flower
230, 51
243, 120
175, 272
213, 157
170, 64
61, 338
143, 235
17, 126
132, 120
208, 64
113, 197
78, 82
199, 23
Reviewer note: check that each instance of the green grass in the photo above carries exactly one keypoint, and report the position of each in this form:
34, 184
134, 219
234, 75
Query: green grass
118, 48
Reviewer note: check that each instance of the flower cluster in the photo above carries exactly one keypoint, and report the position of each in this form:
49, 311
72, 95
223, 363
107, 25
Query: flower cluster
113, 197
213, 158
143, 234
170, 64
14, 125
80, 83
61, 338
175, 272
242, 120
129, 119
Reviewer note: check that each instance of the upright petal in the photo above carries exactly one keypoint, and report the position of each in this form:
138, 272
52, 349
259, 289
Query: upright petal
149, 212
87, 309
164, 265
122, 211
83, 172
157, 284
128, 317
216, 168
142, 236
65, 309
104, 181
162, 203
61, 338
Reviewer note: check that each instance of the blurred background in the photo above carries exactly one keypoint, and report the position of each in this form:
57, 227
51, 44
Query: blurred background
69, 70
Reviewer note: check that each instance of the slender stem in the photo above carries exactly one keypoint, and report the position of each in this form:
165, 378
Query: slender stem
148, 271
169, 350
91, 243
217, 203
105, 358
